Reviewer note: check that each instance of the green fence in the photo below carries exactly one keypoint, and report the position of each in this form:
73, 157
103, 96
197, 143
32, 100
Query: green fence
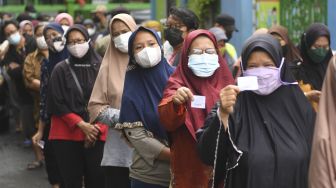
72, 7
297, 15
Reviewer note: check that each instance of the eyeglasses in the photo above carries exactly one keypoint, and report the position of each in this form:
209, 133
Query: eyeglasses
175, 26
197, 51
76, 41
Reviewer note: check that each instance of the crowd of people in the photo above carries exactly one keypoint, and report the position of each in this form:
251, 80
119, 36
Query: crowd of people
108, 102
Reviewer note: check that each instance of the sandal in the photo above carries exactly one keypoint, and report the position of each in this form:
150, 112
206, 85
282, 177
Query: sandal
34, 165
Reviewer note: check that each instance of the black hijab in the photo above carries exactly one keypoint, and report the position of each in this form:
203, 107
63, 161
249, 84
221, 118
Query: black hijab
270, 136
310, 72
65, 96
267, 43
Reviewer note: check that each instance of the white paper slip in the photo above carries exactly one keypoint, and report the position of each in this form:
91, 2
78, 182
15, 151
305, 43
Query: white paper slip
199, 102
247, 83
41, 144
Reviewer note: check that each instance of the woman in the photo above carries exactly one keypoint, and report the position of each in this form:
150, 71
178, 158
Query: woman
105, 101
200, 72
316, 53
180, 22
31, 75
147, 75
260, 138
92, 30
78, 144
52, 33
290, 52
65, 20
26, 27
322, 164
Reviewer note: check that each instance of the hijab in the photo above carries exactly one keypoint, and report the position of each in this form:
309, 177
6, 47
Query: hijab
54, 57
311, 72
143, 90
109, 85
268, 130
65, 95
24, 23
323, 160
290, 52
208, 87
66, 16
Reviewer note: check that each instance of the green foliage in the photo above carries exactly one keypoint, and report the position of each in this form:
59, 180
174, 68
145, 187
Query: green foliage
297, 15
202, 8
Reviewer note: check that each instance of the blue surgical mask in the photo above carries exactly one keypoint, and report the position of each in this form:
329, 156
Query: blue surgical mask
14, 39
203, 65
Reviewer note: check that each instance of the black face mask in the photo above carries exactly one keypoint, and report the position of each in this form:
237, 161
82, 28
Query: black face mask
173, 36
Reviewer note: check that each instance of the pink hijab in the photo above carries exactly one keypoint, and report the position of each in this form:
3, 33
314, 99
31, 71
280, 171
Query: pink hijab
66, 16
24, 23
322, 170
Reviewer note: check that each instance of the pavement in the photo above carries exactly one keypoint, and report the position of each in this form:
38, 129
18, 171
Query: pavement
14, 158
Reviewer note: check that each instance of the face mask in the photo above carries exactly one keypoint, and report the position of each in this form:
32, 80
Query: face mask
268, 79
121, 42
159, 33
318, 54
65, 28
148, 57
56, 44
173, 36
91, 31
14, 39
41, 43
78, 50
203, 65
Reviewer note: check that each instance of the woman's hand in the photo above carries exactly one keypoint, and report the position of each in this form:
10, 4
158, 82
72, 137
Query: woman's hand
313, 95
91, 131
39, 134
228, 97
37, 137
182, 95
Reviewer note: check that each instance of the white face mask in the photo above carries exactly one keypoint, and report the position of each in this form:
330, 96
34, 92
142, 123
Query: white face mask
14, 38
121, 42
91, 31
65, 28
58, 46
148, 57
41, 43
78, 50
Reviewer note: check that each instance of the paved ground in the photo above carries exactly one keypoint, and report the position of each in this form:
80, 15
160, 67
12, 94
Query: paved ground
14, 158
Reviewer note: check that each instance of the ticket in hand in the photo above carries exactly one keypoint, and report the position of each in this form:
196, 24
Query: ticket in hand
247, 83
198, 102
